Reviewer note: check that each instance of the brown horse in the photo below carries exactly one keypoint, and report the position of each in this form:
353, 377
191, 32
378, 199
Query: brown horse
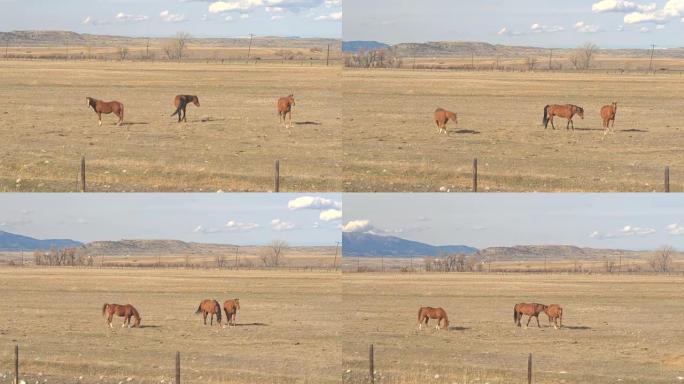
531, 310
427, 313
285, 105
566, 111
210, 307
181, 102
126, 311
555, 313
442, 117
608, 113
231, 308
106, 107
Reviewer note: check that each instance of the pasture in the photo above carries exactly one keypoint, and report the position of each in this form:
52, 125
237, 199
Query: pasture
391, 142
229, 143
616, 328
287, 328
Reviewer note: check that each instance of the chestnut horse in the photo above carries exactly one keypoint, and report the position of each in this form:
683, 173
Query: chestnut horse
608, 114
442, 117
285, 105
531, 310
427, 313
106, 107
210, 307
181, 102
555, 313
126, 311
231, 308
566, 111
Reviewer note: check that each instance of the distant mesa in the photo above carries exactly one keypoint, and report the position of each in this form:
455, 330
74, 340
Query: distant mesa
10, 242
358, 46
370, 245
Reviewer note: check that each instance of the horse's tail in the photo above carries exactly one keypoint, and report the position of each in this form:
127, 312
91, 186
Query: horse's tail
420, 311
136, 315
104, 308
199, 309
177, 111
122, 112
218, 312
515, 315
560, 316
545, 120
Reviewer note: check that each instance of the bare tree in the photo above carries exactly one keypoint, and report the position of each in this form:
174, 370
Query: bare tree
274, 254
531, 63
661, 260
123, 53
583, 56
175, 48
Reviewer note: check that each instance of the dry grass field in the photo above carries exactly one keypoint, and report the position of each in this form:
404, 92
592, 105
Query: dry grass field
230, 143
288, 327
391, 141
617, 329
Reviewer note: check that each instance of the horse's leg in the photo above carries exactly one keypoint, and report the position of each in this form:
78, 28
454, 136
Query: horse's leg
552, 124
529, 317
109, 320
537, 317
99, 119
205, 317
211, 319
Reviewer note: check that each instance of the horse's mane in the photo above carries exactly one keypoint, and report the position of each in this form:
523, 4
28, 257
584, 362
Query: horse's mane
104, 308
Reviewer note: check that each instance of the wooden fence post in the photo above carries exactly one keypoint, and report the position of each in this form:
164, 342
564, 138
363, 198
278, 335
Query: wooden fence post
82, 175
371, 360
16, 364
475, 175
178, 368
276, 177
667, 179
529, 369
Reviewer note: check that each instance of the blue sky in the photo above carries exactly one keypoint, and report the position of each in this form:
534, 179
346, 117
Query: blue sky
201, 18
243, 219
625, 221
543, 23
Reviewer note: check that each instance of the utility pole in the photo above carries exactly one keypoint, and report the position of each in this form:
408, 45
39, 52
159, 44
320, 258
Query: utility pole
327, 57
67, 49
249, 50
6, 48
650, 65
337, 248
550, 59
472, 59
237, 264
147, 50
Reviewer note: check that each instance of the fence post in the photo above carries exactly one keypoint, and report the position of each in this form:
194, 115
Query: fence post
475, 174
667, 179
82, 175
16, 364
178, 368
529, 369
276, 177
371, 360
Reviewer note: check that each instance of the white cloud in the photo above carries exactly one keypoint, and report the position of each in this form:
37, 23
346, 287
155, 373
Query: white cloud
201, 229
335, 16
313, 202
90, 21
580, 26
644, 30
172, 17
503, 31
357, 226
87, 20
281, 225
538, 28
277, 17
330, 215
621, 6
620, 28
244, 16
673, 9
251, 5
274, 9
128, 18
233, 225
675, 229
629, 230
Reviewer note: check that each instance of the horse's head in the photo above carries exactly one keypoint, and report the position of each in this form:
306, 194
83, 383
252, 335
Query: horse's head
195, 100
237, 303
614, 105
580, 112
291, 99
136, 324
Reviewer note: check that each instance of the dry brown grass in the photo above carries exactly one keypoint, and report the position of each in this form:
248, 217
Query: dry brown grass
287, 333
230, 143
623, 329
391, 142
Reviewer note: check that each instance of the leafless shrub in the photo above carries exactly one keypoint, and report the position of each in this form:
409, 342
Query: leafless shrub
274, 254
583, 56
531, 63
123, 53
661, 260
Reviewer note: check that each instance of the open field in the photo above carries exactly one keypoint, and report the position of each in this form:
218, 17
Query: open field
624, 329
230, 143
391, 141
287, 328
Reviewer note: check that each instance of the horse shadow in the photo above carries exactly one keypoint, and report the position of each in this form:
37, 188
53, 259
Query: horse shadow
577, 327
149, 326
207, 120
251, 325
307, 123
633, 130
131, 123
458, 329
466, 132
589, 129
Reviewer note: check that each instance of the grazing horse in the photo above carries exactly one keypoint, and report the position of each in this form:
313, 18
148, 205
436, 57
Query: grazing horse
285, 105
427, 313
555, 313
531, 310
210, 307
442, 117
181, 102
566, 111
106, 107
608, 114
126, 311
231, 308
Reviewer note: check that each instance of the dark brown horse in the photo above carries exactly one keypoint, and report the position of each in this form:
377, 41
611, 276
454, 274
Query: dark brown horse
106, 107
608, 113
181, 102
126, 311
567, 111
285, 105
531, 310
427, 313
210, 307
555, 313
231, 308
442, 117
